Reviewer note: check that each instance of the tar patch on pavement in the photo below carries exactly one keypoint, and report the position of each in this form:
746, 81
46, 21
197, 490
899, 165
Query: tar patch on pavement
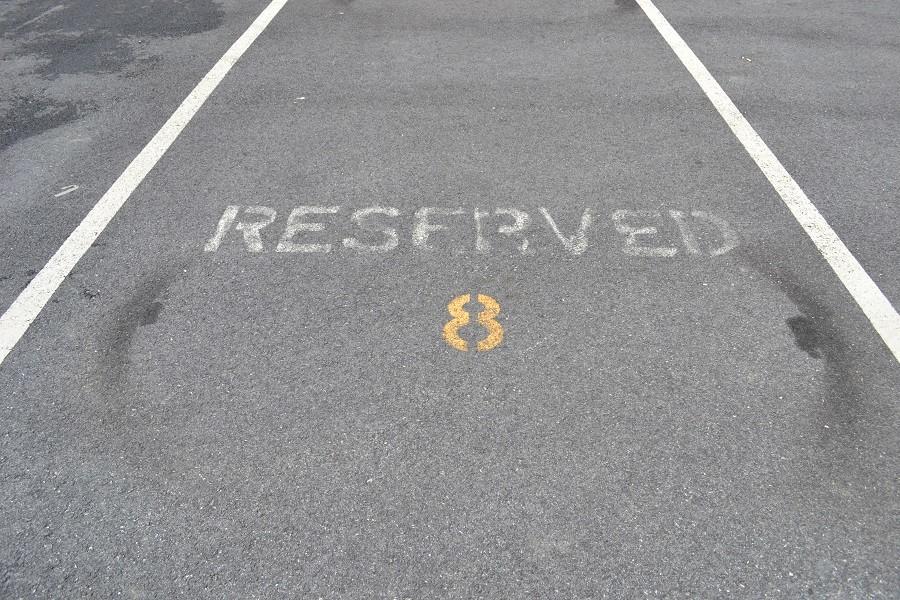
47, 39
161, 18
807, 335
24, 116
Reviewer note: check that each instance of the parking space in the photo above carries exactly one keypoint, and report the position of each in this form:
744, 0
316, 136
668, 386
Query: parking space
817, 82
457, 299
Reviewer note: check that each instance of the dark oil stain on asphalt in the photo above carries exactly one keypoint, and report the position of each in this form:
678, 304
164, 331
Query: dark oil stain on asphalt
29, 274
159, 18
807, 335
89, 293
24, 116
84, 36
152, 314
143, 309
82, 52
116, 406
97, 37
816, 334
626, 4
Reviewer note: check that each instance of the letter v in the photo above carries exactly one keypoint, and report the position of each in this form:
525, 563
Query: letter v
574, 244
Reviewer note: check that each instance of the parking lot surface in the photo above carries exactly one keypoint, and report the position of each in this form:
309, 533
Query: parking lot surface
448, 299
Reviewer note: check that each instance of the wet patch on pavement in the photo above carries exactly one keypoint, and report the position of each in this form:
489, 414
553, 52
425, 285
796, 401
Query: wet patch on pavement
626, 4
164, 18
142, 310
809, 337
44, 40
68, 53
817, 334
24, 116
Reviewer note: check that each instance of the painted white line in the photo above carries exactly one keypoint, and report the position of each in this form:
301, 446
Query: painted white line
26, 307
871, 300
46, 13
66, 190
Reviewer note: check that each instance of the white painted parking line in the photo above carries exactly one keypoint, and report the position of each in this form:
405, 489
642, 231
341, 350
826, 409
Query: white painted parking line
26, 307
868, 296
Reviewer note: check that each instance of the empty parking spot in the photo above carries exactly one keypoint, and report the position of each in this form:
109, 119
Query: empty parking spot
868, 296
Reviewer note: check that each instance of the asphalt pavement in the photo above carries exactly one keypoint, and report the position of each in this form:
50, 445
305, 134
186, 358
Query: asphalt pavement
449, 299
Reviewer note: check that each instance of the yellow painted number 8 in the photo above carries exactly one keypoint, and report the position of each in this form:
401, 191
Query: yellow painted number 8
486, 318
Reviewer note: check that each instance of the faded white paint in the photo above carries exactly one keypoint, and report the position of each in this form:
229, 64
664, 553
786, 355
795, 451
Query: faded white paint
576, 243
624, 219
687, 233
482, 245
874, 304
424, 225
44, 14
66, 190
296, 224
729, 237
362, 219
224, 225
251, 229
635, 228
521, 222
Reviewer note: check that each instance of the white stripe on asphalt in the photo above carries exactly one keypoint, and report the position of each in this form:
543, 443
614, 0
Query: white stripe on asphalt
871, 300
26, 307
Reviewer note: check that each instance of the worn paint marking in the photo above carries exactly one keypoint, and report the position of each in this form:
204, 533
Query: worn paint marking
460, 315
874, 304
29, 303
66, 190
376, 230
487, 318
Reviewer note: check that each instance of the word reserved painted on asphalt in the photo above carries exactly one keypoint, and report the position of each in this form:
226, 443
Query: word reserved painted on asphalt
382, 229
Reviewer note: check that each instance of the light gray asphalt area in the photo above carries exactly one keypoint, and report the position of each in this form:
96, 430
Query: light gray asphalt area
86, 84
229, 423
819, 81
